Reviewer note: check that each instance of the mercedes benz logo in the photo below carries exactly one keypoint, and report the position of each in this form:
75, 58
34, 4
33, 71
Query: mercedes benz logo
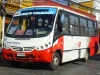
20, 49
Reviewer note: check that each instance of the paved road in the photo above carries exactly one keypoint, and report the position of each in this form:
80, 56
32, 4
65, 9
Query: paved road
91, 67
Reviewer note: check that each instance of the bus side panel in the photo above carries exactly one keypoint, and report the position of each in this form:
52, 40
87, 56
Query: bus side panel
93, 45
58, 44
74, 47
71, 48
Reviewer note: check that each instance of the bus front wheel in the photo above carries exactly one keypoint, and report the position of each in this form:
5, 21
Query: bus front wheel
55, 62
14, 64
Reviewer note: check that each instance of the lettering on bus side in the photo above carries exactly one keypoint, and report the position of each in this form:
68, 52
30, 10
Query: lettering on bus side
13, 42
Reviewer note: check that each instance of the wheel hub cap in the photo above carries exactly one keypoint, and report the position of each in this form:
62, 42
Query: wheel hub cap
55, 61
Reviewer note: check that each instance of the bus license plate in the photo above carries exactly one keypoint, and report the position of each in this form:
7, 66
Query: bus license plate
20, 54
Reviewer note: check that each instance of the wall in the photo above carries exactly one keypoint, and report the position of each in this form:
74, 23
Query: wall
97, 13
27, 3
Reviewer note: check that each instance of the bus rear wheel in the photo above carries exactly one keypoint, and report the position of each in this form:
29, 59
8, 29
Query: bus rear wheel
14, 64
55, 62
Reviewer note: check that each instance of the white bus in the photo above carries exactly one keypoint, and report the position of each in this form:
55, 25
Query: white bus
50, 34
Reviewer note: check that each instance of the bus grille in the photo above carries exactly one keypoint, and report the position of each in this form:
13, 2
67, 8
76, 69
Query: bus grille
24, 49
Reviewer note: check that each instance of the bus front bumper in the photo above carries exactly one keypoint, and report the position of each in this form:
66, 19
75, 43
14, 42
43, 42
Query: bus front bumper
33, 56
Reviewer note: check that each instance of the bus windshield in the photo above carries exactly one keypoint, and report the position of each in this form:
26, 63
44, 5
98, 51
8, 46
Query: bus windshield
37, 22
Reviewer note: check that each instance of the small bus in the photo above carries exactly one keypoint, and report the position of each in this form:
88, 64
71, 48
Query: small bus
50, 34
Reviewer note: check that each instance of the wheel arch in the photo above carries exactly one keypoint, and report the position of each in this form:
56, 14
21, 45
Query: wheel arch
88, 49
60, 54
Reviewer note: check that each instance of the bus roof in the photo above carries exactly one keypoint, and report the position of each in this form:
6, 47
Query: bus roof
67, 8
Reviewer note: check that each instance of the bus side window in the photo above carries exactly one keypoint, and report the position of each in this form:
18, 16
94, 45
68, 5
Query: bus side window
63, 23
58, 28
65, 26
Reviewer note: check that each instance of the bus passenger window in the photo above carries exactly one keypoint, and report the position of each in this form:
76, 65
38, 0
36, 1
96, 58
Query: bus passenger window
76, 30
72, 29
72, 19
65, 25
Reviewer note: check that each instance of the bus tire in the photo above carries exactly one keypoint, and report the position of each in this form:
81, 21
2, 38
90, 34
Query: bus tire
14, 64
86, 56
55, 62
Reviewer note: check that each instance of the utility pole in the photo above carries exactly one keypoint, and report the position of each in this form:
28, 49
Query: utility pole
0, 27
2, 21
2, 14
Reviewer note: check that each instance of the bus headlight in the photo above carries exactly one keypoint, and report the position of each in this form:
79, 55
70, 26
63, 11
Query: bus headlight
46, 45
49, 43
37, 48
6, 47
41, 47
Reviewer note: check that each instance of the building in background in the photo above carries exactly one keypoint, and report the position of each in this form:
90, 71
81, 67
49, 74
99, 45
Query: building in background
94, 7
97, 12
84, 5
11, 7
87, 6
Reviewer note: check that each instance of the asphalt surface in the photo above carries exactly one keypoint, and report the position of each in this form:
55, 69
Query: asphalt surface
77, 67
